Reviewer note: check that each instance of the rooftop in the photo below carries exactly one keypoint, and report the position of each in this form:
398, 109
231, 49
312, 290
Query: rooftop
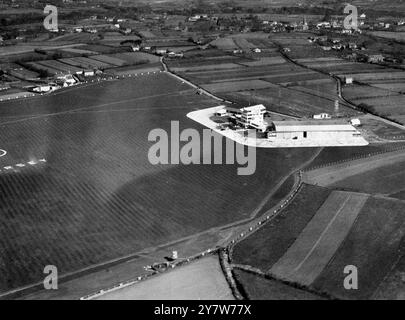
313, 125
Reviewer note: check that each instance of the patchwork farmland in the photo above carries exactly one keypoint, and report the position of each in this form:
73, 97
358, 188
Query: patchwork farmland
309, 245
247, 77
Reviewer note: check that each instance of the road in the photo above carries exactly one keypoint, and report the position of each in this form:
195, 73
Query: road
338, 88
198, 88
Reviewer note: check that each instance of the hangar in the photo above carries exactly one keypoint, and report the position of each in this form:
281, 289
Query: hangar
325, 132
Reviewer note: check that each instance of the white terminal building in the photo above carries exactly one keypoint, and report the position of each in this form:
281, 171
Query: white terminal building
250, 117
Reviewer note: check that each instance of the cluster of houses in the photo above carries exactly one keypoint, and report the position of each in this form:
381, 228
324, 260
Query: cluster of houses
335, 44
59, 81
357, 50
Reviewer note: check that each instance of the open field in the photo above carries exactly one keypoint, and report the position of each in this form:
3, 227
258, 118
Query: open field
136, 69
225, 44
398, 87
357, 92
86, 63
237, 86
271, 73
292, 102
393, 287
331, 155
137, 57
79, 51
387, 180
374, 245
331, 175
265, 247
39, 66
400, 36
259, 288
200, 280
200, 61
207, 67
110, 60
385, 75
390, 106
57, 65
317, 243
371, 240
264, 61
102, 48
98, 197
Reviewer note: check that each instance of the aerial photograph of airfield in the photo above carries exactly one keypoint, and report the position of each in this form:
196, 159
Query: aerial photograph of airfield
322, 105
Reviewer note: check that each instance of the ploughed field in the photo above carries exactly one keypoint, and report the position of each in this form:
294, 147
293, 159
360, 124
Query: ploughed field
97, 197
321, 232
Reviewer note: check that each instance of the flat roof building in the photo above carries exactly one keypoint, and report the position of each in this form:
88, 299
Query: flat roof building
312, 125
316, 133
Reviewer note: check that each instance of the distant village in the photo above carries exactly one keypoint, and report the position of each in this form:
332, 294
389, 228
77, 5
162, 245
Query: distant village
161, 34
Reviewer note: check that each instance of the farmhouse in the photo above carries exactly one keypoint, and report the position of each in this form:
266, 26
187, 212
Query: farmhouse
325, 132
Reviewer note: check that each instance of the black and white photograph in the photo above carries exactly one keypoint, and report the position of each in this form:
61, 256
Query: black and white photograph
171, 151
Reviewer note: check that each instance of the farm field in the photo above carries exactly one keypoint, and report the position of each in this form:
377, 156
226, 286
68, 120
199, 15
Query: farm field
331, 175
199, 280
137, 57
57, 65
400, 36
387, 180
85, 63
237, 86
102, 48
263, 248
136, 69
260, 288
75, 38
317, 243
110, 60
291, 102
39, 66
79, 51
225, 44
393, 287
398, 87
330, 155
252, 72
97, 197
374, 76
201, 61
265, 61
357, 92
390, 106
378, 229
207, 67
